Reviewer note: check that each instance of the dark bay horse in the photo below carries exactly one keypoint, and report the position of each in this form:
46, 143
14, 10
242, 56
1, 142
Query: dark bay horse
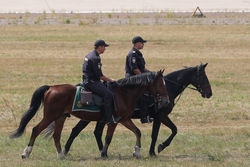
58, 101
176, 83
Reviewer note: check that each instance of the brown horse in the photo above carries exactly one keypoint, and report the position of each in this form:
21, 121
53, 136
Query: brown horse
58, 101
176, 83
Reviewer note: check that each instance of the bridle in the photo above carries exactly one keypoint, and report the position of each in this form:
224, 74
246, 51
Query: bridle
159, 96
197, 88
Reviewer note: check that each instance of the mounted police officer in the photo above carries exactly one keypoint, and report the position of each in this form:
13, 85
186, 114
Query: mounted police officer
92, 74
135, 64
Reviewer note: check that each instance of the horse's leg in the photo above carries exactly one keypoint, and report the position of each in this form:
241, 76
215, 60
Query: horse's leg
108, 139
131, 126
35, 132
98, 134
74, 133
57, 135
154, 135
172, 126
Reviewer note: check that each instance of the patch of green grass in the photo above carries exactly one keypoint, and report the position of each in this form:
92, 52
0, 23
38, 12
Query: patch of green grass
215, 157
228, 75
44, 15
186, 146
237, 116
169, 15
224, 83
82, 23
109, 15
130, 22
67, 21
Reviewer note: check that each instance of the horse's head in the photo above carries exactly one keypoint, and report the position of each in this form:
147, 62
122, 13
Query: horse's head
158, 89
200, 81
151, 81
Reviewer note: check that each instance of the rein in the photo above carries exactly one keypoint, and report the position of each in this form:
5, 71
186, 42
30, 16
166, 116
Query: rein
198, 89
183, 88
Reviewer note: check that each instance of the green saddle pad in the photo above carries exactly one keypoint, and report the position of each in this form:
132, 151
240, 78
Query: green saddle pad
77, 106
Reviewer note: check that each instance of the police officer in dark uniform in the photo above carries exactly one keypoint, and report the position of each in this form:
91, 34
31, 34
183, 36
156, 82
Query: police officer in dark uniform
135, 64
92, 74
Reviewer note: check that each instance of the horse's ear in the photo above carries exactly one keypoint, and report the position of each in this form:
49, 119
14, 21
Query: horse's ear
159, 73
204, 66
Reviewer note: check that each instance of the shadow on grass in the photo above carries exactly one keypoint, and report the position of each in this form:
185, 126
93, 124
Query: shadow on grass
143, 158
160, 158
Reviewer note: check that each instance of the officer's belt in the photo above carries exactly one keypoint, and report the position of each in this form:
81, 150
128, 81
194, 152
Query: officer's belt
86, 78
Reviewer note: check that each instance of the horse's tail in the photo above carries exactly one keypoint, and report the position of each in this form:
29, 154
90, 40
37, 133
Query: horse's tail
36, 101
47, 132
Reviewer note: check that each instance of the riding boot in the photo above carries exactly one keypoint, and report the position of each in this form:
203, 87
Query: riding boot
146, 119
110, 119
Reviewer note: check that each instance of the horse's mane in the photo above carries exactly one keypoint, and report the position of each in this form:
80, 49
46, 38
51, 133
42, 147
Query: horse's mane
181, 71
137, 80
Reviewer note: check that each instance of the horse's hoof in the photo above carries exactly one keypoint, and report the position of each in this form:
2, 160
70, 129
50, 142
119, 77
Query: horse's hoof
160, 148
104, 155
136, 155
65, 153
23, 156
60, 156
152, 154
26, 152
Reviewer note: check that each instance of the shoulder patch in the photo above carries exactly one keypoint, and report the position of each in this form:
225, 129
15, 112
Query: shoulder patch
133, 59
99, 65
86, 59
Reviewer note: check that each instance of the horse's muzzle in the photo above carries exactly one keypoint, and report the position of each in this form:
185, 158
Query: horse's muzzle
206, 94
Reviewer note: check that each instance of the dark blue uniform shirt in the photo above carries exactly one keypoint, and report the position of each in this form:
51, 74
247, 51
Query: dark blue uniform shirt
92, 66
134, 61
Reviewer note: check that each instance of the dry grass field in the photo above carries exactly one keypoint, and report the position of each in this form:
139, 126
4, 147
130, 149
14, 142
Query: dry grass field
211, 132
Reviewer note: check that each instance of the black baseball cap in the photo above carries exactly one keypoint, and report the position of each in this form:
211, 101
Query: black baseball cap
138, 39
101, 43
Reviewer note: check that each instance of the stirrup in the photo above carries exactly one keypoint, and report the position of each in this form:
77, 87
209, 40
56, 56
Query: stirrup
113, 121
116, 119
146, 119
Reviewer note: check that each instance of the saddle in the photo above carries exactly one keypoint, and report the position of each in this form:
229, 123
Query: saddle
89, 98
